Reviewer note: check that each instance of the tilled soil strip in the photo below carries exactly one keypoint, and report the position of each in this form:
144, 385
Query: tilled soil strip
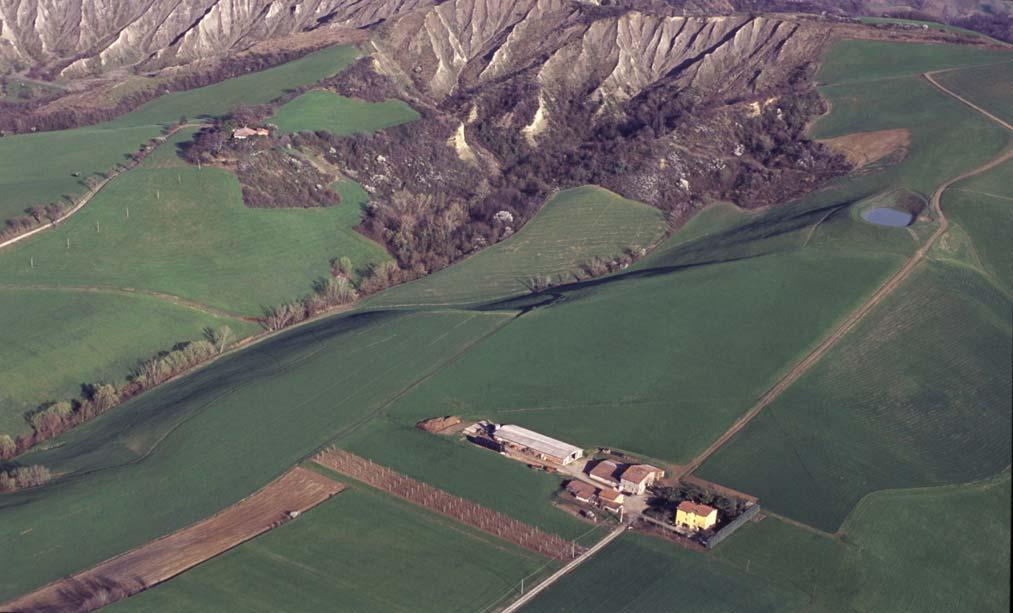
464, 511
294, 492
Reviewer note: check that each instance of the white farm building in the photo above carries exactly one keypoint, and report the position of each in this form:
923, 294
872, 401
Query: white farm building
539, 445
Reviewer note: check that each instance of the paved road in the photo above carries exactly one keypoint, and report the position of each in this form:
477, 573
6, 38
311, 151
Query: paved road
857, 315
556, 576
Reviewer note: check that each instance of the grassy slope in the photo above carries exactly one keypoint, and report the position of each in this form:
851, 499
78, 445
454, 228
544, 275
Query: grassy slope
990, 87
360, 551
53, 341
939, 549
324, 110
255, 88
189, 234
37, 168
573, 226
983, 207
915, 394
187, 449
640, 573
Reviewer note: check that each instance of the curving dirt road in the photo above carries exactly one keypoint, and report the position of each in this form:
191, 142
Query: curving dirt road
858, 314
86, 198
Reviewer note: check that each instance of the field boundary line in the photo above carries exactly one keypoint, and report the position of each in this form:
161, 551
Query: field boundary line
168, 556
556, 576
132, 291
856, 316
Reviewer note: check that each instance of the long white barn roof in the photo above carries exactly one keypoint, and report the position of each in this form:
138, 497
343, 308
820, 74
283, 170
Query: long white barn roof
533, 440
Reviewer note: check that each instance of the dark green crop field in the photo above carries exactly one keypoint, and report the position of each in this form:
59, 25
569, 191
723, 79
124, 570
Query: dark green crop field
641, 573
360, 551
894, 554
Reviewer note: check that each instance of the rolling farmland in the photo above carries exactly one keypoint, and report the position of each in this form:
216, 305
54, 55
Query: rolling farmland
916, 393
100, 337
337, 556
324, 110
658, 382
186, 232
279, 400
39, 168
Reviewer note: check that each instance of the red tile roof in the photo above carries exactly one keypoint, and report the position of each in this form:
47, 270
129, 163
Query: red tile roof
581, 489
639, 472
700, 510
610, 495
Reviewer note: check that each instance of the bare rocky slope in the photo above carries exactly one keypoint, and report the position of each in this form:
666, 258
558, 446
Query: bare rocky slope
80, 37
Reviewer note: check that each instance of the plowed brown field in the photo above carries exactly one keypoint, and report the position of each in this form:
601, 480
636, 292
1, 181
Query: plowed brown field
297, 490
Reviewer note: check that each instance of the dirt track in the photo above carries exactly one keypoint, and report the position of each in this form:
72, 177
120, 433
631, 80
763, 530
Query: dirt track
858, 314
297, 490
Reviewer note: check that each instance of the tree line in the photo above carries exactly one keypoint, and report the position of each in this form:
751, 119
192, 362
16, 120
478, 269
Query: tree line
52, 419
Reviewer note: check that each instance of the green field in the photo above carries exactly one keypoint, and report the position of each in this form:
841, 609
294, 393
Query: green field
642, 573
54, 340
250, 89
947, 137
918, 394
324, 110
863, 60
939, 549
571, 228
189, 234
359, 551
38, 168
983, 207
187, 449
990, 87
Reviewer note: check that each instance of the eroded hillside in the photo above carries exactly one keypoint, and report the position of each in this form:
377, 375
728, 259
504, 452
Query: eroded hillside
79, 37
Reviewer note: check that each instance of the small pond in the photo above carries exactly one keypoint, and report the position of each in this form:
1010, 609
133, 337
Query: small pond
882, 216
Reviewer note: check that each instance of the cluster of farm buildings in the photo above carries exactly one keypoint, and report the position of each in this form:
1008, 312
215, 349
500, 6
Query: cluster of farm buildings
605, 484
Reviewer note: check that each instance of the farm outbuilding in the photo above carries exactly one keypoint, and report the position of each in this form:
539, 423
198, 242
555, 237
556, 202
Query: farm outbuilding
605, 472
539, 445
583, 492
637, 478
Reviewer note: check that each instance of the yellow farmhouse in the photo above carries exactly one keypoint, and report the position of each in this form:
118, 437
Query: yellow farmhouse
695, 516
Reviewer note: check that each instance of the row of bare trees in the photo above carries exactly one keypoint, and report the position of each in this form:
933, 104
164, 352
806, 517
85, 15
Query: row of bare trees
22, 477
54, 418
